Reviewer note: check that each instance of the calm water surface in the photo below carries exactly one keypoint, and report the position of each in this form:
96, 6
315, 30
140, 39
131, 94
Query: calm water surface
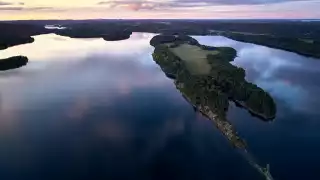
91, 109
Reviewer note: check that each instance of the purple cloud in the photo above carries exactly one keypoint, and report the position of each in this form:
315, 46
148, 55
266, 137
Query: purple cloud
235, 2
11, 8
17, 8
163, 5
147, 5
2, 3
190, 3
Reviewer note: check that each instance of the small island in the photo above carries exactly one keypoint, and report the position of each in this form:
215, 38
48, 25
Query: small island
117, 35
208, 81
13, 63
85, 32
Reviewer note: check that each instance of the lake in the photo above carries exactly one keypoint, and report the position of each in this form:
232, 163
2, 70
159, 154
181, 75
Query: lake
92, 109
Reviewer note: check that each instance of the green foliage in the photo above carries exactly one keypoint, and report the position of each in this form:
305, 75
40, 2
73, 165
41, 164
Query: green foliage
289, 44
177, 40
224, 82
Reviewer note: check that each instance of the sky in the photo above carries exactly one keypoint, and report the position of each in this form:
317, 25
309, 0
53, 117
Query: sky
159, 9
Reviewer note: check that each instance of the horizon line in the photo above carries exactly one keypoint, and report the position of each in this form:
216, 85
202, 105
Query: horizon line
164, 19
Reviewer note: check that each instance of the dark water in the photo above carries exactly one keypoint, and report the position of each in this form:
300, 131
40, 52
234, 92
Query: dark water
91, 109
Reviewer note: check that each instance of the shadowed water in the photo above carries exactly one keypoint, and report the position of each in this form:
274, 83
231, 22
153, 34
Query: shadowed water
91, 109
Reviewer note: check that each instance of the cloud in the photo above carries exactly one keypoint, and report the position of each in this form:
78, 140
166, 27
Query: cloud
40, 8
11, 8
18, 8
150, 5
236, 2
162, 5
2, 3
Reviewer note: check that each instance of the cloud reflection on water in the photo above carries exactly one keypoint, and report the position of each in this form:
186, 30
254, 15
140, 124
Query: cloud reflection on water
107, 108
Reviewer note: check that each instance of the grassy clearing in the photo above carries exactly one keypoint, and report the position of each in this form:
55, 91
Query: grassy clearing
194, 57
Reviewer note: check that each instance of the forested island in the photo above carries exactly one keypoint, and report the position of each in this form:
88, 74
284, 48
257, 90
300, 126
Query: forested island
13, 62
207, 80
91, 32
209, 69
